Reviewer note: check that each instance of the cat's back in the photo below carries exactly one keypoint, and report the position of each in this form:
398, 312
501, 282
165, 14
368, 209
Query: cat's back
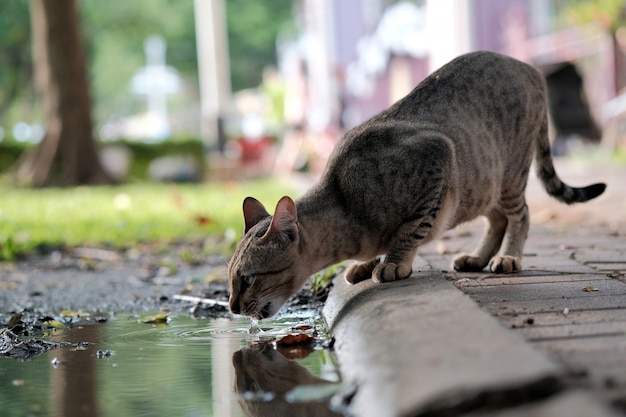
457, 126
476, 86
478, 98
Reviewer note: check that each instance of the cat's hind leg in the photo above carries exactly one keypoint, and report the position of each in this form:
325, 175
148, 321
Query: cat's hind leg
509, 259
361, 271
489, 244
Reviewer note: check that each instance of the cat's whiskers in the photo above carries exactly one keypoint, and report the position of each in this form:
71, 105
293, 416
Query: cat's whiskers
224, 258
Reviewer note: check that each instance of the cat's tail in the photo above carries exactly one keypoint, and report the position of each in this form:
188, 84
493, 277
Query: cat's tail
551, 181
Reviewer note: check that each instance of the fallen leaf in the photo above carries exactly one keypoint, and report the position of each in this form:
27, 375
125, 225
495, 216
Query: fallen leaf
97, 254
177, 199
16, 320
294, 339
202, 220
73, 313
590, 288
295, 351
104, 354
160, 318
13, 346
54, 324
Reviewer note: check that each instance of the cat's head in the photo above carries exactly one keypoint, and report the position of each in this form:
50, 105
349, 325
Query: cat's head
260, 370
265, 269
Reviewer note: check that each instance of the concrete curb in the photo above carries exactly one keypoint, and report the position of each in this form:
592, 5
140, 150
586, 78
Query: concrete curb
421, 346
576, 403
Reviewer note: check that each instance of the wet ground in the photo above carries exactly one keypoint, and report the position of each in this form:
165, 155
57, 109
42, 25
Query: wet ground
146, 332
95, 332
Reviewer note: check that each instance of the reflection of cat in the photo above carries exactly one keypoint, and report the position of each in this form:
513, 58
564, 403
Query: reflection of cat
261, 369
460, 145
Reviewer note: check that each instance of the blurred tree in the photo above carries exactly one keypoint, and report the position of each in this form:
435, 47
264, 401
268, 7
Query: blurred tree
608, 14
253, 27
16, 92
67, 155
114, 34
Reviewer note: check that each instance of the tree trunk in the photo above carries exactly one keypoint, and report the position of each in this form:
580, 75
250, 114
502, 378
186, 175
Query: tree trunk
620, 63
68, 154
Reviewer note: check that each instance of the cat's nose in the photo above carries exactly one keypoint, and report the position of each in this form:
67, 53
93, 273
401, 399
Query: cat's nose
234, 306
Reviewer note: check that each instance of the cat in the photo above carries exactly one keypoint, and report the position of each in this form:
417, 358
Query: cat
459, 146
261, 370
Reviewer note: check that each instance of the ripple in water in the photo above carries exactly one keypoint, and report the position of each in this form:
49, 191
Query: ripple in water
254, 326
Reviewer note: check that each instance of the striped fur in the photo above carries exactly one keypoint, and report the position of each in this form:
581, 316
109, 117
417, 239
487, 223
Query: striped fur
459, 146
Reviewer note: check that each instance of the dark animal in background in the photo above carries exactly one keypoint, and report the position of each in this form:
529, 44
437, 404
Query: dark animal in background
569, 108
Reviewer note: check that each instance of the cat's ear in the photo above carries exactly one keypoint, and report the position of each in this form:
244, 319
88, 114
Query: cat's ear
253, 212
285, 218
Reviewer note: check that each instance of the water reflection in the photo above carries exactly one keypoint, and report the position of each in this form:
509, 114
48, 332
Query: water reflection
74, 384
185, 368
264, 380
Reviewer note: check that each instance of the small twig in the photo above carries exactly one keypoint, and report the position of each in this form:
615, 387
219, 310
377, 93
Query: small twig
199, 300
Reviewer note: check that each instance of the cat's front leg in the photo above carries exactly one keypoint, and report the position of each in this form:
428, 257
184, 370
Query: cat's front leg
505, 264
390, 271
398, 263
361, 271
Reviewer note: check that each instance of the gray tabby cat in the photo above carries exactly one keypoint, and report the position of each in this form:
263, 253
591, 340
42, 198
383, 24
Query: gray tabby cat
460, 145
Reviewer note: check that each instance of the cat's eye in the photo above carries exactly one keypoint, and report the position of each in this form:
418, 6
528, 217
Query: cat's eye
248, 279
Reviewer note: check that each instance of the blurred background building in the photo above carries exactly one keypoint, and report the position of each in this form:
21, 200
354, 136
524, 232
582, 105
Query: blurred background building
363, 55
256, 81
375, 51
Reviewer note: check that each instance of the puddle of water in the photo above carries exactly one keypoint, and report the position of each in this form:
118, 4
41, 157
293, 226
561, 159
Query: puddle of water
187, 367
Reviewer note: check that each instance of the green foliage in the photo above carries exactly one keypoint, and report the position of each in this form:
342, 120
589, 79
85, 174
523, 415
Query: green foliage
607, 13
143, 154
321, 280
10, 152
114, 35
16, 86
253, 27
126, 215
8, 251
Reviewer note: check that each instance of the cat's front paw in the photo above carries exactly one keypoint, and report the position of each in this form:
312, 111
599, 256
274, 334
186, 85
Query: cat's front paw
505, 264
468, 263
386, 272
361, 271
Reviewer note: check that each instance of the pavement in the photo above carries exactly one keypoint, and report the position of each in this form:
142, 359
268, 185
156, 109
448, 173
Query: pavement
548, 341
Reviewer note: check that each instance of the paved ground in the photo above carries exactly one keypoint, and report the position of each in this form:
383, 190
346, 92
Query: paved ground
571, 299
559, 348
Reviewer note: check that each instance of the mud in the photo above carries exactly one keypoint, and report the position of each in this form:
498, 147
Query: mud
145, 278
67, 287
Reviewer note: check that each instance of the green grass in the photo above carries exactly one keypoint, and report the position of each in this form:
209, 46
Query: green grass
125, 215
